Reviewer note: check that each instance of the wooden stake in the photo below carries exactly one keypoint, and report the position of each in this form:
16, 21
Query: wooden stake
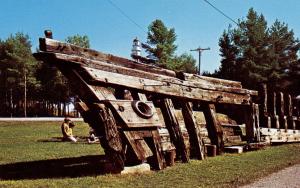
213, 126
193, 129
172, 125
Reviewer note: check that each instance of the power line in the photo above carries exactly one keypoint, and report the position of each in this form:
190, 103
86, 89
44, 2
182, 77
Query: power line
220, 12
124, 14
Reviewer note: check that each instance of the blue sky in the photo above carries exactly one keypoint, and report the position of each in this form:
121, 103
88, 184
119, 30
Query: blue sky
195, 22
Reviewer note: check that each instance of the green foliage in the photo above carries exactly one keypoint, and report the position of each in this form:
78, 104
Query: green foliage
183, 63
161, 45
253, 53
17, 67
27, 142
82, 41
161, 42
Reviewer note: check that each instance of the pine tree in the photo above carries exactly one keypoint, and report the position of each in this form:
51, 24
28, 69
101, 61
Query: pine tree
161, 42
253, 53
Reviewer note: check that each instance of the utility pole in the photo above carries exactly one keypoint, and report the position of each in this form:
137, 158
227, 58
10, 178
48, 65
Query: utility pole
200, 50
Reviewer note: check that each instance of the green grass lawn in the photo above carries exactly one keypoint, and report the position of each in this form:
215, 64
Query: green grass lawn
32, 156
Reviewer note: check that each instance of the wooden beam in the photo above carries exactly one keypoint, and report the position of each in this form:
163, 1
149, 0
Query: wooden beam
213, 126
209, 80
54, 46
72, 60
209, 84
165, 88
159, 159
111, 140
193, 129
172, 125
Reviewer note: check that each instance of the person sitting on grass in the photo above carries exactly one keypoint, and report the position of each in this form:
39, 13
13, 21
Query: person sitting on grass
66, 129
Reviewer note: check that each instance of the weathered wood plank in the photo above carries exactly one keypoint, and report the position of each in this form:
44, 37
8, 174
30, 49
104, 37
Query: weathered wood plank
200, 83
194, 131
138, 144
166, 88
280, 135
111, 140
172, 125
210, 80
130, 118
50, 45
214, 128
159, 159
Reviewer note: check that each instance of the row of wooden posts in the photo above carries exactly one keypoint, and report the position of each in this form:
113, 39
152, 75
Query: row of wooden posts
278, 110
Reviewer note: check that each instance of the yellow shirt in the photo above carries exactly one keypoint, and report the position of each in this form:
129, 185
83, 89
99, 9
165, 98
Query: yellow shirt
66, 130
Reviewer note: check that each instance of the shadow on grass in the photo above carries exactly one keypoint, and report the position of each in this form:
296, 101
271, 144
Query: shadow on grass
80, 139
57, 168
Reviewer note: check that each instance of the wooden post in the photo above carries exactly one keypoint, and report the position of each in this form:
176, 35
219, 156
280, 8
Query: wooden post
263, 100
272, 103
289, 111
263, 107
160, 162
272, 111
280, 111
256, 122
193, 129
213, 126
172, 125
250, 116
102, 118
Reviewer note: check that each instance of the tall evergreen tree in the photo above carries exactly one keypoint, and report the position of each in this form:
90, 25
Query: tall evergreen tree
161, 42
17, 72
253, 53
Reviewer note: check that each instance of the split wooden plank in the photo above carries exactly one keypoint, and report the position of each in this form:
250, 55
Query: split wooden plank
172, 125
165, 88
193, 131
214, 128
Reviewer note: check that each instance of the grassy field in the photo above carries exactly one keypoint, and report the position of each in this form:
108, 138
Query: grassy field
32, 155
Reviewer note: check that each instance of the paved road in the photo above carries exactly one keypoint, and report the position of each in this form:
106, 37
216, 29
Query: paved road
286, 178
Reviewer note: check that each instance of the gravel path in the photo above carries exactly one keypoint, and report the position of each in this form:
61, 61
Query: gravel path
289, 178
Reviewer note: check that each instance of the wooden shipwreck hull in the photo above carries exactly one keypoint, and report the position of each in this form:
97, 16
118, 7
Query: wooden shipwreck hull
144, 113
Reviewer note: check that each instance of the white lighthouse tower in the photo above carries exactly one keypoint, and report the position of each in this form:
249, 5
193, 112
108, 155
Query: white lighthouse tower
136, 48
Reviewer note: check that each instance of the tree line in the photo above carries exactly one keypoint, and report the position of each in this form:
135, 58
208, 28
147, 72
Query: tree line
252, 52
28, 87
